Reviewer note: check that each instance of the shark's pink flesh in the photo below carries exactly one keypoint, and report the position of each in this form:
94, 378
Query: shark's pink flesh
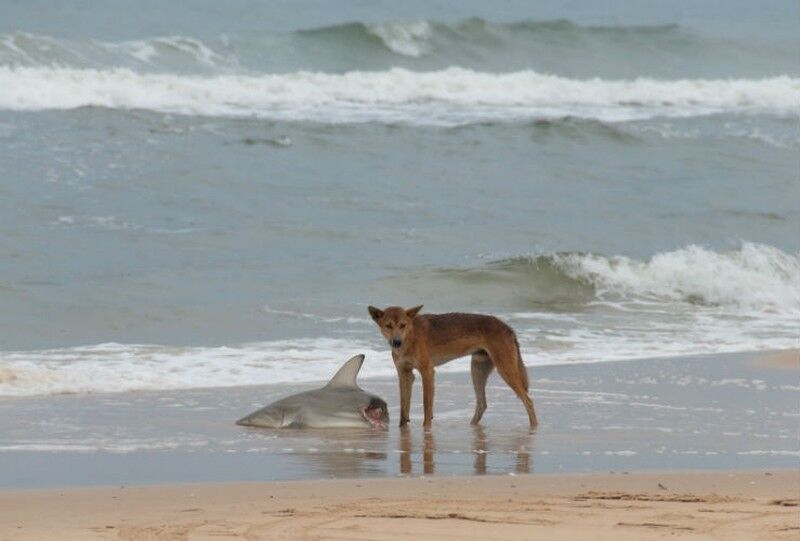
374, 417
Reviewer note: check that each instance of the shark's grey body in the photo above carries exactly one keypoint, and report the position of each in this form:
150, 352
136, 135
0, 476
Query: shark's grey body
341, 403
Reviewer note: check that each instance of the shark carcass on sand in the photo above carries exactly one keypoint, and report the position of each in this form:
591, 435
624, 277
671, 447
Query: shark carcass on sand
341, 403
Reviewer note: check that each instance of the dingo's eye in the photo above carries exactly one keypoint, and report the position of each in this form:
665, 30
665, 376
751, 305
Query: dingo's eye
402, 325
389, 326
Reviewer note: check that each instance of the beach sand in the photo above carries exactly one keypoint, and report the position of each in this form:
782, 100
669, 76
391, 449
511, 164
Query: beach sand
676, 505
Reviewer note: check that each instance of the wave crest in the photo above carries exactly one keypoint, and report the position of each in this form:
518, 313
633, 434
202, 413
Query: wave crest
447, 97
755, 277
418, 38
407, 39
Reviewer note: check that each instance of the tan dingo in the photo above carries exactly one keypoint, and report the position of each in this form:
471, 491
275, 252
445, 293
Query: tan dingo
426, 341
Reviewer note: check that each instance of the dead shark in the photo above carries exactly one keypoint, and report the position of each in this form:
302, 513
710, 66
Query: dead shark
341, 403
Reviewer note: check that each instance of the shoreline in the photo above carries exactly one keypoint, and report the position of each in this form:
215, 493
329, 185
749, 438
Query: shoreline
20, 377
623, 506
780, 358
713, 412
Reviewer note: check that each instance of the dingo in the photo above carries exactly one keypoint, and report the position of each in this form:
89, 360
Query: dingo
426, 341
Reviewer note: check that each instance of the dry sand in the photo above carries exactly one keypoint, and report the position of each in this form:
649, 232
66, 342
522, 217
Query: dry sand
677, 505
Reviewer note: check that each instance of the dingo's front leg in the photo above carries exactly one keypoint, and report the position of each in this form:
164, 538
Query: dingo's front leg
406, 378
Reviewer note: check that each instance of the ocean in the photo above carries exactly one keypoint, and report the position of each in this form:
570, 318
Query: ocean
204, 194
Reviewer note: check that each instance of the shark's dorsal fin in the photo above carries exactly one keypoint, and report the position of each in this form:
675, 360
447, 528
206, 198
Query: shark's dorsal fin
346, 376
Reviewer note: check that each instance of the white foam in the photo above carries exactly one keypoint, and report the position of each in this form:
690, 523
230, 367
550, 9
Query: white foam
142, 50
116, 367
114, 445
592, 340
626, 452
448, 97
756, 277
770, 452
407, 39
23, 48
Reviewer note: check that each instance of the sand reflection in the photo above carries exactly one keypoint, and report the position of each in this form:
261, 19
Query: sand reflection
509, 452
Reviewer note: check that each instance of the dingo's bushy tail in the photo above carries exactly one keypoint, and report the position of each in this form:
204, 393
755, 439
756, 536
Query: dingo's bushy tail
521, 365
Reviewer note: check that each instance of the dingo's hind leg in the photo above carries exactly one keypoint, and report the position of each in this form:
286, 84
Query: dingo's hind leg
511, 368
481, 368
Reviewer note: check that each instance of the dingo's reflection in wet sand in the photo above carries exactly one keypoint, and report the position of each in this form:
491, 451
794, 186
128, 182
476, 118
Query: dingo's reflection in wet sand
519, 445
407, 450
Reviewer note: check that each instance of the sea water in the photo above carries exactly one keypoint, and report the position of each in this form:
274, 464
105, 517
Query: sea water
210, 194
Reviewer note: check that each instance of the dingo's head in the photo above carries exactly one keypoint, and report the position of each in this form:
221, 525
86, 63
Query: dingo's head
394, 322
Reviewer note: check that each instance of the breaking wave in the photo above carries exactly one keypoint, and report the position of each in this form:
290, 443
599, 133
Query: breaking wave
128, 367
756, 277
580, 308
411, 39
419, 38
448, 97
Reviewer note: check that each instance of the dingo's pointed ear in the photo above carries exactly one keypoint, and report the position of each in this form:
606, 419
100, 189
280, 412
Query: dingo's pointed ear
411, 312
375, 313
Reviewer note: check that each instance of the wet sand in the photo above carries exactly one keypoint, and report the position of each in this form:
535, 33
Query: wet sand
719, 411
679, 505
789, 360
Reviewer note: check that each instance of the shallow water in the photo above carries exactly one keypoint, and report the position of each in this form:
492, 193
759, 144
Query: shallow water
704, 412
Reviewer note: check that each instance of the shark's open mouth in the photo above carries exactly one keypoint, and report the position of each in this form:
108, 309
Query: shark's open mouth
374, 417
376, 414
